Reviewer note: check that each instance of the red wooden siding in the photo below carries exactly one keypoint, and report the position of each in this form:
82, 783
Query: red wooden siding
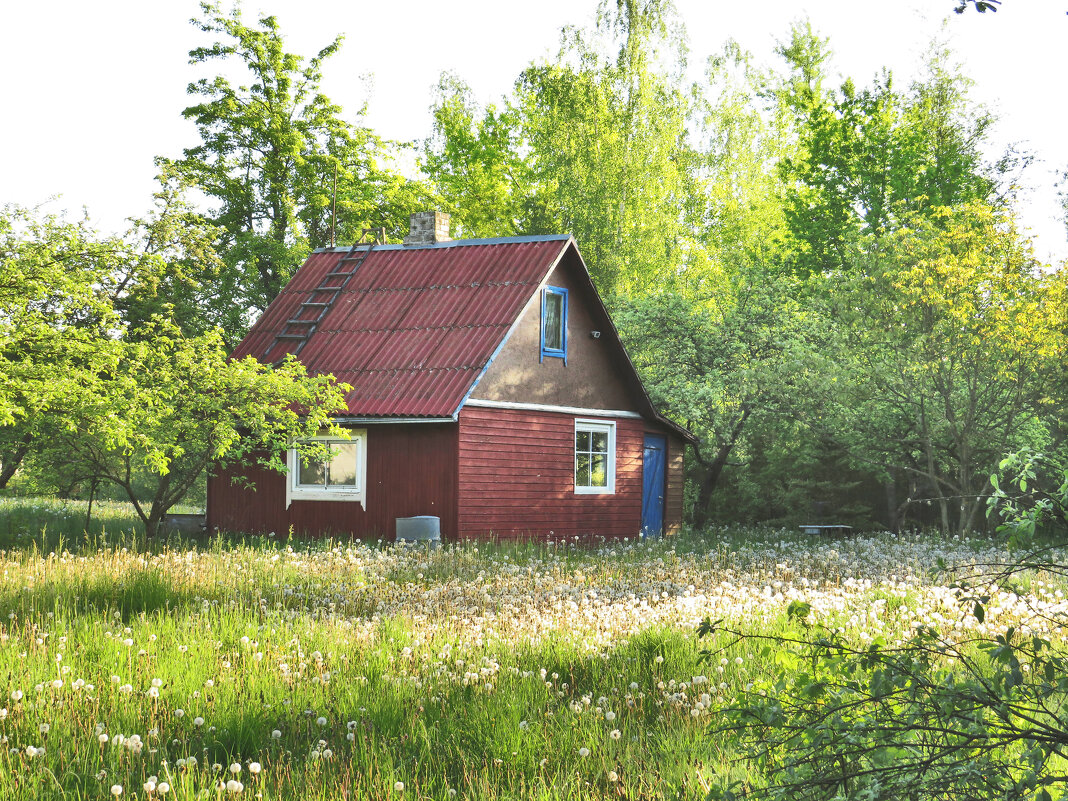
411, 470
516, 477
676, 478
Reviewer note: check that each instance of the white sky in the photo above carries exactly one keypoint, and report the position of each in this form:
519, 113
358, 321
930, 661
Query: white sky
94, 90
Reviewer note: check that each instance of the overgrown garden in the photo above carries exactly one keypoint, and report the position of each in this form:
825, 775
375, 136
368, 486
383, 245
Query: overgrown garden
825, 281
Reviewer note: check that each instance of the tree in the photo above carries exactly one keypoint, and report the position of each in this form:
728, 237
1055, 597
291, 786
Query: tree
55, 306
867, 159
475, 160
268, 159
949, 327
729, 344
172, 405
718, 367
98, 386
594, 143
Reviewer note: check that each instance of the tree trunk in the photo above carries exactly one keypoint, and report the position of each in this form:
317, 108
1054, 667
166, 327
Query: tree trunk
89, 510
10, 461
152, 524
891, 504
714, 469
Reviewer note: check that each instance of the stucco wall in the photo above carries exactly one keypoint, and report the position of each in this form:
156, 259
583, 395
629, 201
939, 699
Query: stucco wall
589, 379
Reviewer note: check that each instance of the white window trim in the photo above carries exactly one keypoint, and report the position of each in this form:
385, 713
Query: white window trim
357, 494
599, 426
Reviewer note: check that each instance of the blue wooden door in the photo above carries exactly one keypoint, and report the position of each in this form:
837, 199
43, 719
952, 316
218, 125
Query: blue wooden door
653, 485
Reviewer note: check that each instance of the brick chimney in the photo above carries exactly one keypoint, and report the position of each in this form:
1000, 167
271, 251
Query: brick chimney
428, 227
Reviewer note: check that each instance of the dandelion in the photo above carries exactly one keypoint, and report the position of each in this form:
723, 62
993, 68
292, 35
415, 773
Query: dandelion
610, 716
584, 752
198, 721
613, 776
235, 768
163, 788
116, 790
254, 768
234, 786
615, 734
43, 728
16, 695
320, 721
399, 787
276, 735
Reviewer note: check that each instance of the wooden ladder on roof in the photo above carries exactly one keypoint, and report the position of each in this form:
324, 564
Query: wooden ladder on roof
298, 328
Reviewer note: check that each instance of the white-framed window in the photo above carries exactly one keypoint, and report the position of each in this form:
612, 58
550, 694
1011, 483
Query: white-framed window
340, 477
595, 457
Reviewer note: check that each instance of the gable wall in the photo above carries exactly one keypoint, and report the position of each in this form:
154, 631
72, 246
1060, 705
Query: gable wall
590, 378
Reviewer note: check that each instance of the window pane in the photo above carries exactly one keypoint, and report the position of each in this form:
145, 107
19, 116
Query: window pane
554, 321
582, 441
599, 471
312, 473
343, 464
600, 442
582, 470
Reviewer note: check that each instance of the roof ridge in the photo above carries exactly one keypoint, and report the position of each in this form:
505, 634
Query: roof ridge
498, 240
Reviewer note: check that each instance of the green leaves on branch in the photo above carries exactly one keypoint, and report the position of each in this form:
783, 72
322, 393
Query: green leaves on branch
594, 143
100, 381
173, 405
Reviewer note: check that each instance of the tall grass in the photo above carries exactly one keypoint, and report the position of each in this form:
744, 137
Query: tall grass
345, 671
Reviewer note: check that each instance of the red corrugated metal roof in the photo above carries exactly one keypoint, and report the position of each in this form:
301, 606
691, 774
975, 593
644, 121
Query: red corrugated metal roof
415, 326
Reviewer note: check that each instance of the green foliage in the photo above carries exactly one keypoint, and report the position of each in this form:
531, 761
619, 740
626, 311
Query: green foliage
98, 387
173, 405
595, 143
976, 710
474, 159
869, 159
947, 335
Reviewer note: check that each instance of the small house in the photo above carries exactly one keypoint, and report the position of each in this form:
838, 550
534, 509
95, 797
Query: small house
489, 389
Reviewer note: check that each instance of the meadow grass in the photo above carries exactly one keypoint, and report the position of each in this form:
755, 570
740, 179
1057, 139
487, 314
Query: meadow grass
328, 670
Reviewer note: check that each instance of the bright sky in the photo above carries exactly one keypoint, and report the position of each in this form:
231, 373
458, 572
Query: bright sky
95, 90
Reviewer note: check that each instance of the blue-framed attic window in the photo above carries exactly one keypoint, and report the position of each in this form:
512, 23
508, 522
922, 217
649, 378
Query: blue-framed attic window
554, 323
